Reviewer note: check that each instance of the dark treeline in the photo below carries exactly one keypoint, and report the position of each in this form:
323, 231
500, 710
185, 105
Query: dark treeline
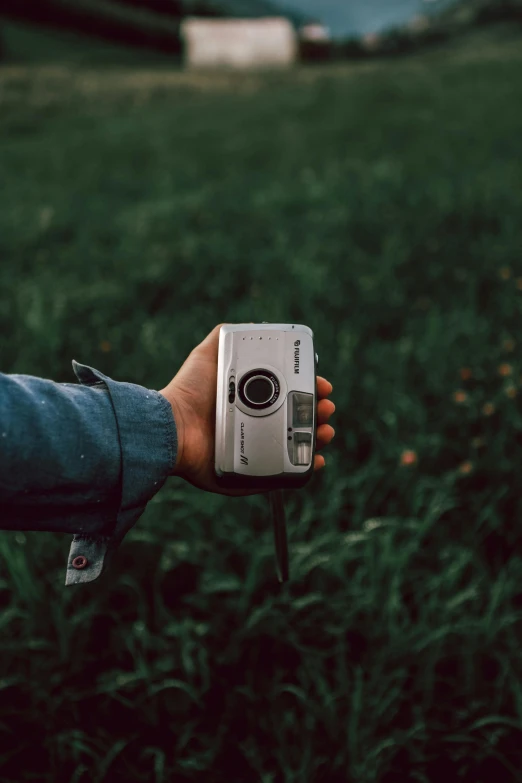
140, 23
172, 8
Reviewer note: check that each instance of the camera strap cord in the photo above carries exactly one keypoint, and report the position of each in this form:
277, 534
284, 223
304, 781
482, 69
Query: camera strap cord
281, 544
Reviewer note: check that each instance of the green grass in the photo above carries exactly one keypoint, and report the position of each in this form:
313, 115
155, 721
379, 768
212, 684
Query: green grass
380, 205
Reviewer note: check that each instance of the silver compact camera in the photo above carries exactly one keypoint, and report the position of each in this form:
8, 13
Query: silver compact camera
265, 406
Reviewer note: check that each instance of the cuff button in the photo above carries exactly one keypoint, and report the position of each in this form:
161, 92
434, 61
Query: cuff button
80, 562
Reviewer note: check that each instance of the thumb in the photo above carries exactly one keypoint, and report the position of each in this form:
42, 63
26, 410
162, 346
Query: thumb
211, 341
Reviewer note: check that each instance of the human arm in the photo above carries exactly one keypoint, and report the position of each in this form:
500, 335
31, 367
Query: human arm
87, 459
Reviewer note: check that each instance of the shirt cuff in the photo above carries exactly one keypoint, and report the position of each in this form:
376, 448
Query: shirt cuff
148, 442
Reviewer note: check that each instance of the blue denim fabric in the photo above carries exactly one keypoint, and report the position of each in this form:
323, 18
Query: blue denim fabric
82, 458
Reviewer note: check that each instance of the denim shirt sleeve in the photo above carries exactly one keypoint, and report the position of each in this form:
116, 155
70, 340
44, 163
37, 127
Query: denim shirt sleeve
82, 459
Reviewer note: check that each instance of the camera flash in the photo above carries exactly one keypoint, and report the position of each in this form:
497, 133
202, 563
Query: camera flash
303, 410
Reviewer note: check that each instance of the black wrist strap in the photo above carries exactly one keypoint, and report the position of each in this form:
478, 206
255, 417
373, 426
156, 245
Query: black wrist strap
281, 544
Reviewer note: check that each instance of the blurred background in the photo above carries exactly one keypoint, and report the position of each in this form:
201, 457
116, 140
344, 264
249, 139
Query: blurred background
352, 165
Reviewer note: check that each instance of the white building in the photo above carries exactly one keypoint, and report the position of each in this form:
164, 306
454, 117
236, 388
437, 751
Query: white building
315, 32
239, 43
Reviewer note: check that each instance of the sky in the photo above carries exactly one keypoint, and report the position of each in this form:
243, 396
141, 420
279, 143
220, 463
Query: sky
357, 17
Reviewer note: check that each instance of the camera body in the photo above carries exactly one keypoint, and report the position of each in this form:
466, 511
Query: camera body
265, 406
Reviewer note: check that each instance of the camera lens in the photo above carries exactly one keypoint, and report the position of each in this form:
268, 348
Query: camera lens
259, 390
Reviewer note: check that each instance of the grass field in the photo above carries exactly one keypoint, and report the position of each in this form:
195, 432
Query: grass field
380, 204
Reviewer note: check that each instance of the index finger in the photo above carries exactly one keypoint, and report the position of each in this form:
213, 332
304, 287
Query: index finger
324, 387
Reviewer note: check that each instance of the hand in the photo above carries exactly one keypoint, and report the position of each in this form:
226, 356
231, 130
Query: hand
192, 395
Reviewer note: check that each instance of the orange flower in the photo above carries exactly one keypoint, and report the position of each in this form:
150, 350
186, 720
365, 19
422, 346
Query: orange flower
408, 457
505, 273
105, 346
488, 409
511, 391
519, 283
460, 396
509, 345
465, 468
466, 373
505, 370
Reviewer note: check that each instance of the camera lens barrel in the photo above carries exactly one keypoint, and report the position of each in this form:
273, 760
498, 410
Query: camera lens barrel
259, 389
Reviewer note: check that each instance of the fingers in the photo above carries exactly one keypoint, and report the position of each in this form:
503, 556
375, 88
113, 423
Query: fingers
325, 434
325, 409
324, 387
319, 462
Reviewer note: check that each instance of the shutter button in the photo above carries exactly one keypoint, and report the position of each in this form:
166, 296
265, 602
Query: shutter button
80, 562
